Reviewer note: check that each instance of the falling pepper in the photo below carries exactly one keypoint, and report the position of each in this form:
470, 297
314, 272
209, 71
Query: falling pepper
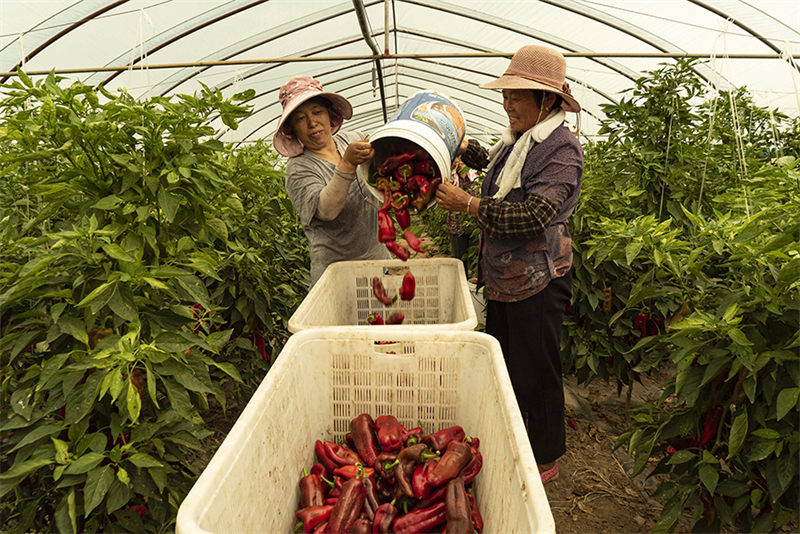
414, 242
421, 200
380, 292
425, 168
395, 318
457, 508
362, 427
399, 200
403, 217
375, 318
408, 286
398, 250
385, 226
457, 455
346, 510
403, 172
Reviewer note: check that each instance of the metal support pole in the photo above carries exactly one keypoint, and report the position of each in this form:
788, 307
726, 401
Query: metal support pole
361, 12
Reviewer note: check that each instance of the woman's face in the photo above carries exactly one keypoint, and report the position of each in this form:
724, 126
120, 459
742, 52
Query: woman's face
311, 123
522, 108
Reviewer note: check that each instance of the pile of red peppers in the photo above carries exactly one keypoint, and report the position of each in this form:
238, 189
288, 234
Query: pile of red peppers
385, 478
408, 179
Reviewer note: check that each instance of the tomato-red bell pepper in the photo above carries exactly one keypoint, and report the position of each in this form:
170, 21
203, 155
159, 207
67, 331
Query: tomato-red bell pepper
312, 490
408, 286
311, 516
457, 508
404, 471
457, 455
421, 520
319, 469
403, 217
425, 167
400, 200
413, 436
392, 162
362, 427
385, 226
414, 242
375, 318
354, 471
419, 481
398, 250
384, 516
319, 448
348, 507
403, 172
439, 440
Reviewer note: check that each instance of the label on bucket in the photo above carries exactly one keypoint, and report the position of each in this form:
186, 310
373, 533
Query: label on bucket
437, 112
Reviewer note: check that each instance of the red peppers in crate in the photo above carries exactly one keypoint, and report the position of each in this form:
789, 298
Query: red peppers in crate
398, 250
457, 508
457, 455
380, 292
347, 508
390, 432
330, 465
311, 516
408, 286
439, 440
475, 514
414, 242
312, 490
340, 455
421, 520
362, 427
385, 226
384, 516
354, 471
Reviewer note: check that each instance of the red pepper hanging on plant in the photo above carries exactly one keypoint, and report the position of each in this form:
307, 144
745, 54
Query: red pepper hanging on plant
408, 286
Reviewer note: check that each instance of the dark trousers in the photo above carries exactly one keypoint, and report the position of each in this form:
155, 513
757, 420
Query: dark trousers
459, 243
529, 332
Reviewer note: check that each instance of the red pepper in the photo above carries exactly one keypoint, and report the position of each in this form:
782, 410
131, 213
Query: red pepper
426, 168
319, 448
395, 318
403, 217
421, 200
437, 496
403, 172
390, 432
340, 455
311, 516
457, 455
384, 515
362, 427
419, 183
398, 250
472, 469
386, 463
439, 440
413, 435
414, 242
346, 510
383, 185
457, 508
371, 504
385, 226
408, 286
362, 525
399, 200
354, 471
312, 491
421, 520
319, 469
404, 471
380, 292
419, 481
640, 323
711, 424
475, 514
392, 162
322, 528
374, 318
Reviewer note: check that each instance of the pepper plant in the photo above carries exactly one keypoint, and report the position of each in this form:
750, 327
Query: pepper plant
147, 271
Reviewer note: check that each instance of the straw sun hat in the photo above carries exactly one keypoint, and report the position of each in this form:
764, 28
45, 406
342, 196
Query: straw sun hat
537, 67
291, 95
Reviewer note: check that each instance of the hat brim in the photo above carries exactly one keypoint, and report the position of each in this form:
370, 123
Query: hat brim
290, 146
516, 82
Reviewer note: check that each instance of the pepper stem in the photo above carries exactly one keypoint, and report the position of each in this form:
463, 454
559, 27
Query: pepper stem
298, 526
328, 482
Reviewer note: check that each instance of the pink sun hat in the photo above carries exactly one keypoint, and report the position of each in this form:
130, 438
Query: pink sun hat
292, 94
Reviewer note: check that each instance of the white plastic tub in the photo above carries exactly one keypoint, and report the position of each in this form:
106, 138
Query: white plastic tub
324, 378
343, 295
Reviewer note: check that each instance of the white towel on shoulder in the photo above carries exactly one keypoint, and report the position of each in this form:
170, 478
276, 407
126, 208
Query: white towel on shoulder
512, 171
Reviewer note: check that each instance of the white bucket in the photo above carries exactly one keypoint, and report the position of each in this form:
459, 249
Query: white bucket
429, 120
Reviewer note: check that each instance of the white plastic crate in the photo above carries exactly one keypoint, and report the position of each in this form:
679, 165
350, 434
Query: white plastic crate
343, 295
322, 379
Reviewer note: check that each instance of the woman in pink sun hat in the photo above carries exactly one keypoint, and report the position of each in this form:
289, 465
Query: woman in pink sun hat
531, 188
321, 176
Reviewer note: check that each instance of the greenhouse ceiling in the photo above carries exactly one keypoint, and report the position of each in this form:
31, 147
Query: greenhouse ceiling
164, 47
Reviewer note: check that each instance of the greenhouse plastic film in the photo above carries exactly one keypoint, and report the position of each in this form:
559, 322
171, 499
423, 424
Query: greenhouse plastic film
323, 379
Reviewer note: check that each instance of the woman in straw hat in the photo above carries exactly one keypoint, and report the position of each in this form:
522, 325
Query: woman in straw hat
321, 173
531, 188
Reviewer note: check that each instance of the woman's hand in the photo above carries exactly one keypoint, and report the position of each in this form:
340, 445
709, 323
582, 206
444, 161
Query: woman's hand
453, 198
355, 154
